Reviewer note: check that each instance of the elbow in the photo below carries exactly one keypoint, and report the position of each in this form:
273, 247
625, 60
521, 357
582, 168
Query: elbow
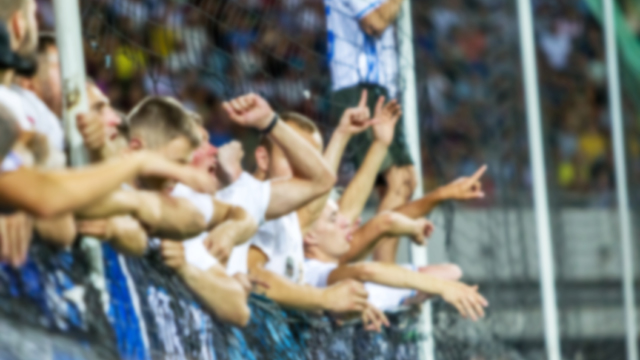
328, 181
240, 316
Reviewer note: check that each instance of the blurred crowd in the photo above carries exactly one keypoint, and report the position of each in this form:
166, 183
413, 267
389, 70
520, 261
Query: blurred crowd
469, 76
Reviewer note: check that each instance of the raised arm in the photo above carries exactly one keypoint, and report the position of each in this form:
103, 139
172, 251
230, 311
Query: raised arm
232, 226
382, 225
378, 20
221, 294
314, 177
465, 188
355, 196
55, 193
465, 298
354, 121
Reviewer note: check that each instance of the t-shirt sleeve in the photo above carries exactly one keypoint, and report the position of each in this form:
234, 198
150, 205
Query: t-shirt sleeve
362, 8
197, 255
10, 163
265, 239
250, 194
202, 202
317, 273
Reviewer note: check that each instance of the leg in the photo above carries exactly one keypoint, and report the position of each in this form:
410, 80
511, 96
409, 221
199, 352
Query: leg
401, 184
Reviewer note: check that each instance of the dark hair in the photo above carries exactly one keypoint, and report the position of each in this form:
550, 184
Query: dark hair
9, 132
46, 39
159, 120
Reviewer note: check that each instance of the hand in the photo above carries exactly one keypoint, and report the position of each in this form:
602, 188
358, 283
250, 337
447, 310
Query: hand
249, 111
423, 229
100, 229
345, 296
386, 118
15, 236
173, 254
156, 165
465, 188
230, 161
357, 119
93, 131
466, 299
250, 282
373, 319
221, 241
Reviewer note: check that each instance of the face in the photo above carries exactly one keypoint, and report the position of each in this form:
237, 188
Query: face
279, 166
99, 103
28, 29
332, 232
48, 82
205, 157
178, 150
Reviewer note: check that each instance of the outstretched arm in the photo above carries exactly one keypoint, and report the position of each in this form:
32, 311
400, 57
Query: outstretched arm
465, 188
54, 193
354, 121
220, 293
385, 224
355, 196
465, 298
315, 177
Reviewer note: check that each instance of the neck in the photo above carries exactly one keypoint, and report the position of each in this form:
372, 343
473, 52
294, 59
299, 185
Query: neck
6, 77
317, 254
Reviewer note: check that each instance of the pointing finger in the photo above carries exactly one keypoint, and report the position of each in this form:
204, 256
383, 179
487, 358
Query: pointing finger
363, 98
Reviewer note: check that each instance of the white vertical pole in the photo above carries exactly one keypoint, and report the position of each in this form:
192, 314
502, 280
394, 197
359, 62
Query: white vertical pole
626, 231
540, 195
70, 47
71, 50
411, 122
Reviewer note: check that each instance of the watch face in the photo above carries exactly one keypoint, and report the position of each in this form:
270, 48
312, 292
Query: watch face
290, 267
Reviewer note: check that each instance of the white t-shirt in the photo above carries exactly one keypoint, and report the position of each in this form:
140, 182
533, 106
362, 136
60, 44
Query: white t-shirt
281, 241
253, 196
44, 121
195, 252
354, 56
12, 102
316, 273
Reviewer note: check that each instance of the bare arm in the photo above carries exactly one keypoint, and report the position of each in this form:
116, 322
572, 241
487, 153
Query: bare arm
54, 193
377, 21
465, 298
163, 215
344, 297
232, 226
355, 196
385, 224
354, 120
124, 233
60, 231
465, 188
221, 294
314, 176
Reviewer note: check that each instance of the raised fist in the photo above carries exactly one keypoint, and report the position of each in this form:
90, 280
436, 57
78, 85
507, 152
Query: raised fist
250, 111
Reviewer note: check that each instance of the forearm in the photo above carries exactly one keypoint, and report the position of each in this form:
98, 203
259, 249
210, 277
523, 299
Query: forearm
389, 275
221, 294
288, 294
366, 238
117, 203
243, 224
60, 231
421, 207
129, 236
380, 19
178, 220
355, 196
304, 159
55, 193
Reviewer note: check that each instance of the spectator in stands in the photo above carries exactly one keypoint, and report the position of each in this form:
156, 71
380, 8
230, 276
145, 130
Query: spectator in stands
280, 197
363, 55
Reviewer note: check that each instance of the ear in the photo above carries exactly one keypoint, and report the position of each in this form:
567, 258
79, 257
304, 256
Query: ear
16, 26
262, 159
309, 239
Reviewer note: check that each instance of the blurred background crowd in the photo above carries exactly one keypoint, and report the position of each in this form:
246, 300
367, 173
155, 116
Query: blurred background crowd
204, 51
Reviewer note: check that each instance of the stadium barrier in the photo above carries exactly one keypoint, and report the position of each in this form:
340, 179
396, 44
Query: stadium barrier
51, 309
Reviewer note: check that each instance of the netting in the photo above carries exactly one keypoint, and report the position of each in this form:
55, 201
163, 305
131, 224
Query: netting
471, 112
